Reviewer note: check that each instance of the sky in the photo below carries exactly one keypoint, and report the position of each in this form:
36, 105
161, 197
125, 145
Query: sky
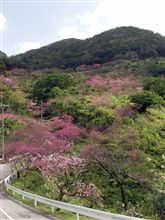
30, 24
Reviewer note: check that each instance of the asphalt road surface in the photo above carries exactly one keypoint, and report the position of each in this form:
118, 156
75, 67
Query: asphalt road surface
5, 170
11, 209
3, 215
16, 210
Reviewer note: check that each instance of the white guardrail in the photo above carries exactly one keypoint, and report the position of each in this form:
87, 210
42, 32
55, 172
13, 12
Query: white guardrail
78, 210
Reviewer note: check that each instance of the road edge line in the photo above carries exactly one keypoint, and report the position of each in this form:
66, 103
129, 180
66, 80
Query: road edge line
6, 214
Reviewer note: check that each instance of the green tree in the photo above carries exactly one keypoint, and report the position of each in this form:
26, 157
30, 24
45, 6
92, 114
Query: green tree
155, 84
2, 67
143, 100
44, 88
3, 62
89, 115
121, 164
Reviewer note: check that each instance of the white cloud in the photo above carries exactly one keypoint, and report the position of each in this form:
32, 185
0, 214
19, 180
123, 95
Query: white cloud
71, 31
27, 45
148, 14
2, 22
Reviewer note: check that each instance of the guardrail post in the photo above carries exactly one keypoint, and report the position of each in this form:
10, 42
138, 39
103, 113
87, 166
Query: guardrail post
35, 203
52, 209
23, 197
13, 193
77, 216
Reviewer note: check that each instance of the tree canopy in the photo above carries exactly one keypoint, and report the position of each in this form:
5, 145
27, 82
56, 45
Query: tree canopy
44, 88
119, 43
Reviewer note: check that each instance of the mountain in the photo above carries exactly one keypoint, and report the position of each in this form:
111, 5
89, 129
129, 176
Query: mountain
119, 43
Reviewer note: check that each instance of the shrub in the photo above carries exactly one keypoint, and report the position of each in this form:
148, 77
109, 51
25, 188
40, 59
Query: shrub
44, 88
143, 100
156, 68
159, 205
89, 115
155, 84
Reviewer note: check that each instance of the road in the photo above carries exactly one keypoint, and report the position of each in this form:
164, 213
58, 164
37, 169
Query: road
3, 215
5, 170
16, 210
11, 209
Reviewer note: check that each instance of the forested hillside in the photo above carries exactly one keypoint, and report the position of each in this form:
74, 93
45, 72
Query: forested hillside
92, 134
118, 43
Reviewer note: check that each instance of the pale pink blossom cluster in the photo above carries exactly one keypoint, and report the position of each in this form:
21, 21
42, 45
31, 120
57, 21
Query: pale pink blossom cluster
20, 118
6, 81
101, 100
94, 134
42, 164
66, 172
36, 109
47, 103
8, 115
17, 71
60, 164
96, 81
61, 169
118, 85
88, 190
114, 85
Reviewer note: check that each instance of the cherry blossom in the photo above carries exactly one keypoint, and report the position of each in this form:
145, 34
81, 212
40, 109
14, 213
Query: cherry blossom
66, 173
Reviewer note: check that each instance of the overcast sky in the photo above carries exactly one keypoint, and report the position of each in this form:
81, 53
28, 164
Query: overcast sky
29, 24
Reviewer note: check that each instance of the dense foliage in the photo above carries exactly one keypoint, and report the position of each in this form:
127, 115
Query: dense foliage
155, 84
156, 68
160, 205
96, 137
119, 43
145, 99
51, 85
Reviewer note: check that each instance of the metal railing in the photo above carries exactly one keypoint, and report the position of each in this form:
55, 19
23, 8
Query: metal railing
78, 210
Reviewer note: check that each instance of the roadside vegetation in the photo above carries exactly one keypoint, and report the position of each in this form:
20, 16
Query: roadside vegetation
93, 135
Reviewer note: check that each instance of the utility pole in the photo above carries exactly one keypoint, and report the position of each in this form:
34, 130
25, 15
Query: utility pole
41, 109
3, 131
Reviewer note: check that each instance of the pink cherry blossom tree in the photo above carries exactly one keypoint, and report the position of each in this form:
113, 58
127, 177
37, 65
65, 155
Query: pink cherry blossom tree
37, 139
64, 128
66, 173
31, 142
